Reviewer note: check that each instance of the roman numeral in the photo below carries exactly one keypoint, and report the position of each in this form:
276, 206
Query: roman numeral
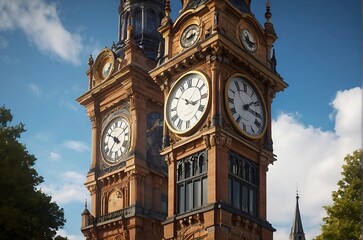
189, 82
231, 90
175, 117
252, 130
244, 127
180, 122
201, 108
257, 123
205, 95
238, 119
244, 87
230, 100
233, 110
237, 86
187, 124
182, 88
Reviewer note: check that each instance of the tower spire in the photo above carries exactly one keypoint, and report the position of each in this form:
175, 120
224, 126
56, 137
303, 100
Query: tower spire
297, 231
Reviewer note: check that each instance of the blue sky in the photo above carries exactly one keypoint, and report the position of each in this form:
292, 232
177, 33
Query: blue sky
44, 48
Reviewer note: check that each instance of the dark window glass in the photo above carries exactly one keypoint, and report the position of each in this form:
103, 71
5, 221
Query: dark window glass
151, 20
242, 184
181, 199
138, 21
204, 190
192, 182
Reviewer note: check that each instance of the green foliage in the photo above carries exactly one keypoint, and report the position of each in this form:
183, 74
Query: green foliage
25, 211
344, 217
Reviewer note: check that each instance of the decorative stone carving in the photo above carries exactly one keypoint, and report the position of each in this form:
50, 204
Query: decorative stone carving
220, 139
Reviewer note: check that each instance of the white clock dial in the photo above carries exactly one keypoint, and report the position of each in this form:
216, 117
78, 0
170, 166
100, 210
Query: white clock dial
106, 69
115, 139
245, 106
187, 102
248, 40
190, 36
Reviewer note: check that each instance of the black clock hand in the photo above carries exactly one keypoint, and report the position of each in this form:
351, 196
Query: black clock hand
115, 139
186, 101
247, 106
194, 102
119, 135
254, 113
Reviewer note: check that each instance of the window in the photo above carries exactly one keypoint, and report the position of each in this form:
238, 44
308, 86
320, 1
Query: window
151, 20
242, 184
192, 182
138, 21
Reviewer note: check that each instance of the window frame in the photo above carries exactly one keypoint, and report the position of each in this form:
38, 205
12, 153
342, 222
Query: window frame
243, 184
191, 182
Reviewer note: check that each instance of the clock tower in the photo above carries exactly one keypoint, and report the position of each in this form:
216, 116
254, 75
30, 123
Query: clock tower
127, 179
218, 76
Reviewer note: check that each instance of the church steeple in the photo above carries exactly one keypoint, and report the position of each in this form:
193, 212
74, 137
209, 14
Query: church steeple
297, 231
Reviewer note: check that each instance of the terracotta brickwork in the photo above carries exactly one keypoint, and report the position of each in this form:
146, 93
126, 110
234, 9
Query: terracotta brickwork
181, 142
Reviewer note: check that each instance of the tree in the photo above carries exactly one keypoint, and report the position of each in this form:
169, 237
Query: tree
25, 211
344, 218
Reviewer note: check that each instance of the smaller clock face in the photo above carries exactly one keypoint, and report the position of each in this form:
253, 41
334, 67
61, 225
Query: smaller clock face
190, 36
115, 139
187, 102
106, 69
248, 40
245, 106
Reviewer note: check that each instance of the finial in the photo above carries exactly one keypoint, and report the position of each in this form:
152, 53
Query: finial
297, 191
166, 20
85, 203
268, 13
167, 8
90, 61
129, 29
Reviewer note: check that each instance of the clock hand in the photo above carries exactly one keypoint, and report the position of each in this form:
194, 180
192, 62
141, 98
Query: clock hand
194, 102
247, 106
118, 141
254, 113
186, 101
115, 139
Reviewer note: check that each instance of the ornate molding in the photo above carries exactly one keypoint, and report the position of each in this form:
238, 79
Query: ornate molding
218, 139
92, 188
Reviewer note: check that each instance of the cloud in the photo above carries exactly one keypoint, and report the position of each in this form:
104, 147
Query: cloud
55, 156
76, 145
64, 233
311, 158
40, 23
68, 189
35, 89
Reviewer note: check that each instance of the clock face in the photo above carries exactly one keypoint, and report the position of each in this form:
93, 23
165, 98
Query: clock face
106, 69
190, 36
104, 65
246, 107
248, 40
187, 102
115, 140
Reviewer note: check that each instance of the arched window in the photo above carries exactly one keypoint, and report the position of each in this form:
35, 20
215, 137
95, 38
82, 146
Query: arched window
138, 21
192, 182
150, 20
